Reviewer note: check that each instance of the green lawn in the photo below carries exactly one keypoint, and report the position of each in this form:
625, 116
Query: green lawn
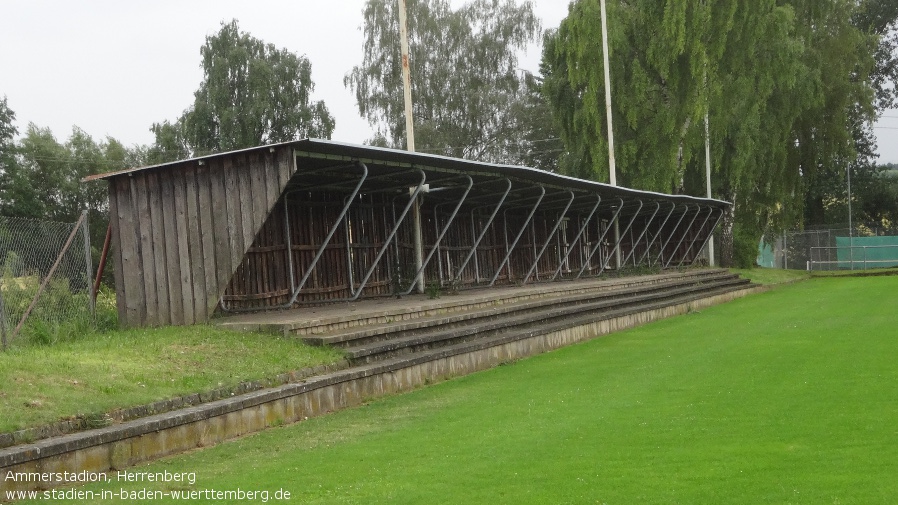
760, 275
99, 372
789, 396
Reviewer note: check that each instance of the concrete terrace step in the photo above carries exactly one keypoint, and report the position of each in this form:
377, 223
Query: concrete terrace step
515, 334
328, 319
554, 315
393, 330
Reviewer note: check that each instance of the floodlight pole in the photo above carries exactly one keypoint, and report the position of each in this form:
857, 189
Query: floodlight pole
612, 169
708, 178
850, 223
410, 141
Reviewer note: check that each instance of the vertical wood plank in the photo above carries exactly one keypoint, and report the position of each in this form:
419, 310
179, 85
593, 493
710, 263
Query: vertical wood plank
259, 194
285, 168
233, 208
220, 232
272, 180
172, 254
207, 232
246, 205
147, 259
183, 246
115, 220
133, 258
157, 242
195, 244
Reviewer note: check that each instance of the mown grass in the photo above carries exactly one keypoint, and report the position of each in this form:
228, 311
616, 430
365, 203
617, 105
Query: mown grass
872, 272
102, 371
769, 276
789, 396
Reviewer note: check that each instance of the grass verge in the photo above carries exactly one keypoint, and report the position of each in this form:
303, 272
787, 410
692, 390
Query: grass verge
99, 372
787, 396
769, 276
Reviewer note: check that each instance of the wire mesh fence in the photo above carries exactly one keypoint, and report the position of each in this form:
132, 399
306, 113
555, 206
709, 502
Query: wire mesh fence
831, 248
45, 277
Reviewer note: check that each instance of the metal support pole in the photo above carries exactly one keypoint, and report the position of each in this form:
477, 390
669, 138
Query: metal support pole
436, 244
3, 322
288, 244
680, 242
600, 239
483, 232
349, 255
549, 238
647, 224
694, 240
321, 248
673, 232
436, 230
583, 228
707, 240
104, 254
419, 245
518, 236
389, 239
288, 234
619, 240
327, 239
648, 248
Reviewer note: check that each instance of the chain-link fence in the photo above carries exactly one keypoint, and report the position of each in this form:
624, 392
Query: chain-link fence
45, 277
828, 248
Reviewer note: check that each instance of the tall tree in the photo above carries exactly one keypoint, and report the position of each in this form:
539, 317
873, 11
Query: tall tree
8, 132
45, 181
787, 84
252, 94
466, 85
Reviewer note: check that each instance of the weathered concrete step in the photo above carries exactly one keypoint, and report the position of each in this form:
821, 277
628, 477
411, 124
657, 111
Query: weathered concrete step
391, 330
410, 309
585, 322
521, 321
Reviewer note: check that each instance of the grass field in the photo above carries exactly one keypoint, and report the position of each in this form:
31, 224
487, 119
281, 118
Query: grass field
99, 372
789, 396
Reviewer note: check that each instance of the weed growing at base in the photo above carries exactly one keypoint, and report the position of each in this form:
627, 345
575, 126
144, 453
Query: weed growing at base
789, 396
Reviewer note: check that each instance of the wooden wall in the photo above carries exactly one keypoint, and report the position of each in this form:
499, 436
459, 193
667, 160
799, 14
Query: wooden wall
180, 232
188, 235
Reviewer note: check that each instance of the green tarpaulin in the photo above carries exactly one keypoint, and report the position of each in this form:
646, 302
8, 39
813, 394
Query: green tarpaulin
860, 253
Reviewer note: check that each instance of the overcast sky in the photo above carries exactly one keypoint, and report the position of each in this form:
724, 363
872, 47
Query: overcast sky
113, 67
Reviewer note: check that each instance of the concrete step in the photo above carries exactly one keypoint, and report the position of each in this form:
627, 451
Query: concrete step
412, 308
548, 299
521, 333
527, 318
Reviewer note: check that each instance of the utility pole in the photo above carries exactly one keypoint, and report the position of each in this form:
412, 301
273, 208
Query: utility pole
410, 139
850, 223
612, 169
708, 181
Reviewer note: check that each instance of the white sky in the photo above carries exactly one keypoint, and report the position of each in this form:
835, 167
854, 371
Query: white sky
113, 67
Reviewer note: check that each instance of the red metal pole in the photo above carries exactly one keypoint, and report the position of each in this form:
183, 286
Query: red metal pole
103, 257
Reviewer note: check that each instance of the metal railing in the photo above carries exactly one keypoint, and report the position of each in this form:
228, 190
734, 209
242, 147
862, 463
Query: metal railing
856, 257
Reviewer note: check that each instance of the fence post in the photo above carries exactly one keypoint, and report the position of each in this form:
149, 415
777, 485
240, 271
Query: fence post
87, 261
2, 319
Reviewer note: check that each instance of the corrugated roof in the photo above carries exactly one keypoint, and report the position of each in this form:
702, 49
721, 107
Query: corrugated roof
422, 160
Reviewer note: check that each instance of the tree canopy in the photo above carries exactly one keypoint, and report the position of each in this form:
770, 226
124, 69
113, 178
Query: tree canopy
252, 94
470, 98
790, 88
